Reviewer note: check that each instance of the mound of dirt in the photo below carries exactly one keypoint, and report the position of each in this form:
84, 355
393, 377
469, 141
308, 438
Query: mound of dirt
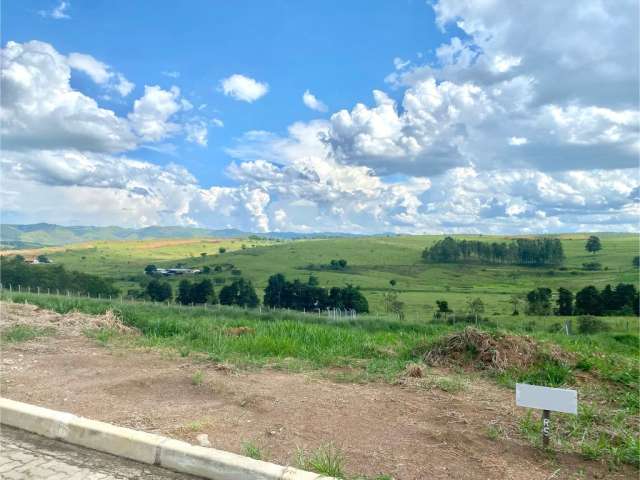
71, 324
490, 351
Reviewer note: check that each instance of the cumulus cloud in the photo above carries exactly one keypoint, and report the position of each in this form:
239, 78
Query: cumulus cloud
311, 101
571, 93
41, 110
73, 187
243, 88
151, 113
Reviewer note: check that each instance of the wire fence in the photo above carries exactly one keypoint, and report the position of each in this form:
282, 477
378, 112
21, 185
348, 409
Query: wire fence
525, 323
330, 313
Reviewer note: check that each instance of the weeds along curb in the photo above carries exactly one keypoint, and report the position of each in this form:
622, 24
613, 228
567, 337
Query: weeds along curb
144, 447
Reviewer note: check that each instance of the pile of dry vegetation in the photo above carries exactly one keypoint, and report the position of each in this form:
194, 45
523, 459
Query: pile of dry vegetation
490, 351
71, 324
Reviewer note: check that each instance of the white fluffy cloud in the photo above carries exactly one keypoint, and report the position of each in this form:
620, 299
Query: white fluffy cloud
152, 112
73, 187
41, 110
311, 101
243, 88
570, 92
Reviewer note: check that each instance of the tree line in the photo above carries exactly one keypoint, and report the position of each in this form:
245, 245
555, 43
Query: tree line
524, 251
15, 271
282, 293
622, 299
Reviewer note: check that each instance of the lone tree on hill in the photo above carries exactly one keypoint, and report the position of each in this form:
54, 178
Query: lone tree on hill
593, 244
443, 306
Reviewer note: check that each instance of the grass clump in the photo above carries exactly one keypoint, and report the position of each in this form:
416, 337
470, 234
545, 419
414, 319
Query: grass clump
23, 333
197, 378
326, 460
251, 450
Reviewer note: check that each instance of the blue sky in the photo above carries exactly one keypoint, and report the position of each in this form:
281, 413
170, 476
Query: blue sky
363, 116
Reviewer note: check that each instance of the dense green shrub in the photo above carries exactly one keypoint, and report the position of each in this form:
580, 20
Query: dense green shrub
588, 324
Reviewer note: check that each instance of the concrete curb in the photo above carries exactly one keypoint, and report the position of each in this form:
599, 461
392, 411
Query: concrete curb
144, 447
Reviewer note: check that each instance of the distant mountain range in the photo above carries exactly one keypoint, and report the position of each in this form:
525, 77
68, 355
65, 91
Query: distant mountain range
47, 234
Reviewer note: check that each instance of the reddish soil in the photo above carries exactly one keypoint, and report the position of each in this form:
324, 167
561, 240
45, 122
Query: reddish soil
406, 432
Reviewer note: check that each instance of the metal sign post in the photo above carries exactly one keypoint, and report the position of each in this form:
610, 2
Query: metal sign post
547, 399
546, 427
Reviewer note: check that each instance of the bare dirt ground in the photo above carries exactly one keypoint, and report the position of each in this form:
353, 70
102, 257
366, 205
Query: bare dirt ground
404, 431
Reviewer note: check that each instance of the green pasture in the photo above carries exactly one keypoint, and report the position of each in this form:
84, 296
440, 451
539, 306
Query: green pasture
372, 263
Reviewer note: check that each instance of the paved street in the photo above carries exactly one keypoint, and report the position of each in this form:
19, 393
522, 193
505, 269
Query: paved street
25, 456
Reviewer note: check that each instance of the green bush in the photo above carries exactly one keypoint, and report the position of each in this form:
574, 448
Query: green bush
592, 266
588, 324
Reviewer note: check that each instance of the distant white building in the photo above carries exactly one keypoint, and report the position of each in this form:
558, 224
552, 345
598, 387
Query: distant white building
167, 272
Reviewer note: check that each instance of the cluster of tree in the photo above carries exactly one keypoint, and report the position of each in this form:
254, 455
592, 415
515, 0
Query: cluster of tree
281, 293
335, 264
621, 300
538, 251
241, 293
196, 293
16, 272
339, 264
159, 291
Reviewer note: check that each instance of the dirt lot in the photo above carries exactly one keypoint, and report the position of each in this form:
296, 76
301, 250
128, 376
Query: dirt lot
402, 430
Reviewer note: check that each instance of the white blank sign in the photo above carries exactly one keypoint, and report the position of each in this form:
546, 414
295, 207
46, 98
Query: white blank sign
547, 398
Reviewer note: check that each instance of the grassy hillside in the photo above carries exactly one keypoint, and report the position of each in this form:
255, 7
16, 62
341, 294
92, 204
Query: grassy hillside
372, 263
